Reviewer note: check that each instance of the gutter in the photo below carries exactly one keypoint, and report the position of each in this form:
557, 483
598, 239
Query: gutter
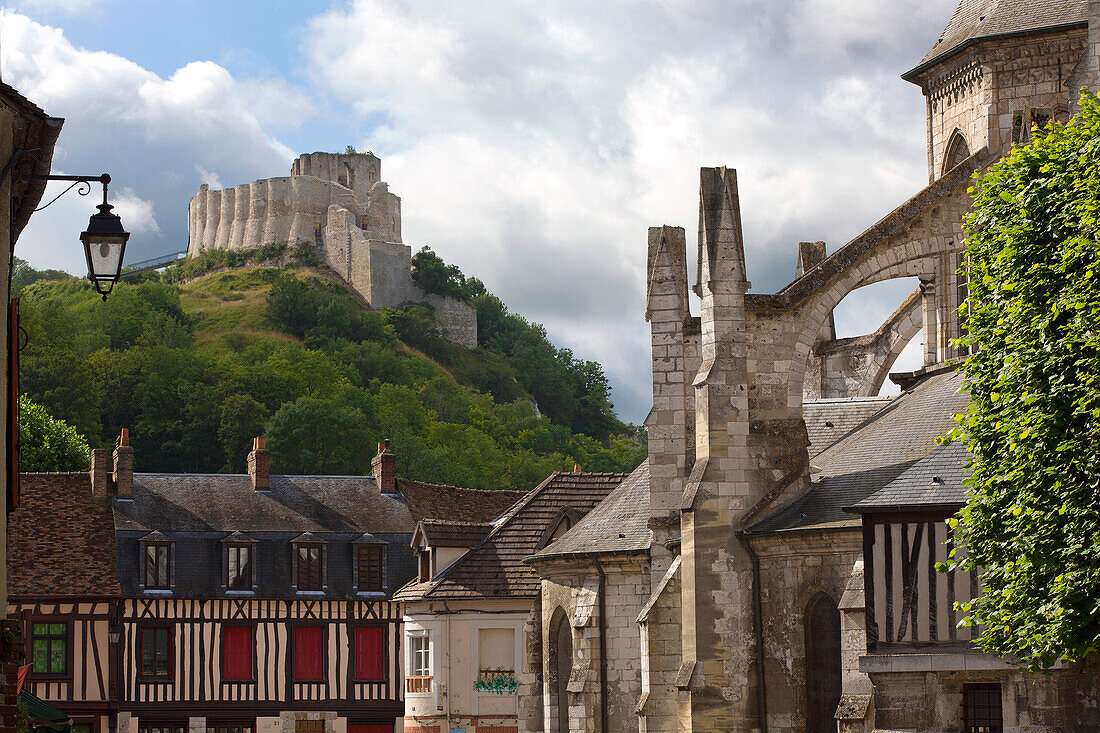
758, 636
603, 648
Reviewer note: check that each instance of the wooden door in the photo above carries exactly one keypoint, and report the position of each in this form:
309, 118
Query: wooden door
823, 675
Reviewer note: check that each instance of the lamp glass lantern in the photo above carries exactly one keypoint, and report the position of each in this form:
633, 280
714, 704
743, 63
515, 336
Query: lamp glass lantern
104, 244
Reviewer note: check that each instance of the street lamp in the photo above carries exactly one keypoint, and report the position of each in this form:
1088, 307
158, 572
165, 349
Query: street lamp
104, 240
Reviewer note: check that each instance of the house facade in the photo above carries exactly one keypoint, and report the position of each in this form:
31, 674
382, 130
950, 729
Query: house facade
472, 615
788, 583
172, 603
27, 139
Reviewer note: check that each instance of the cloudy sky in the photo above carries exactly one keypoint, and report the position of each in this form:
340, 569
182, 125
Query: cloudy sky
532, 143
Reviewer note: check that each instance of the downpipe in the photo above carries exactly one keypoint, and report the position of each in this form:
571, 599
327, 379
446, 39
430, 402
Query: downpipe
603, 647
758, 635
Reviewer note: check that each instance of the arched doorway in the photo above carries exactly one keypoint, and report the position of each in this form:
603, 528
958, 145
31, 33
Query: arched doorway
561, 666
823, 676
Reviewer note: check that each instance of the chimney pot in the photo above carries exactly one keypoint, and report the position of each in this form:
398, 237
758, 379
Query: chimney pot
124, 466
100, 461
259, 465
576, 468
384, 468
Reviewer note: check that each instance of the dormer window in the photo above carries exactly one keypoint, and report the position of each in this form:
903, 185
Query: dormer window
239, 561
156, 562
424, 560
309, 563
370, 564
562, 522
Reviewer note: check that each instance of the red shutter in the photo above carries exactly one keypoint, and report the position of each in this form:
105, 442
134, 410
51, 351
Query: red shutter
236, 652
309, 653
370, 653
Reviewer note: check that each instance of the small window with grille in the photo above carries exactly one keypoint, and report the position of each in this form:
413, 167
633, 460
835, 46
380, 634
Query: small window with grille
982, 709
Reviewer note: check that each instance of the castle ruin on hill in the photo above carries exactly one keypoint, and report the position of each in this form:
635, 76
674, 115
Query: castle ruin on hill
338, 205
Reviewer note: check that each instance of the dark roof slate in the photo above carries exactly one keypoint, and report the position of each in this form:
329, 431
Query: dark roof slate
618, 524
872, 456
977, 19
935, 481
829, 420
440, 533
454, 504
61, 540
495, 568
227, 503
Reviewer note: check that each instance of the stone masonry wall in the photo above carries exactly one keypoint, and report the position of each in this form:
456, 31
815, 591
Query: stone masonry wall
572, 587
931, 702
337, 205
793, 570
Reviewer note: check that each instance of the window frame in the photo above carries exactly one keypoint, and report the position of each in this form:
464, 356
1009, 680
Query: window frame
251, 625
360, 585
154, 678
293, 628
427, 639
169, 562
321, 585
354, 656
247, 725
230, 547
68, 639
968, 688
175, 726
424, 565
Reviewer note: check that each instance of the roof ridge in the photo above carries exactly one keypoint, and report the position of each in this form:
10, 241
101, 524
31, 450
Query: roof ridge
449, 486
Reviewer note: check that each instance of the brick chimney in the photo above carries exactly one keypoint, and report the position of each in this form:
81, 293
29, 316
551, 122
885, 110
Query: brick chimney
124, 466
384, 468
259, 465
100, 461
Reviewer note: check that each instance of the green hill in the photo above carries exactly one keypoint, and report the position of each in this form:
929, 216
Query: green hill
197, 363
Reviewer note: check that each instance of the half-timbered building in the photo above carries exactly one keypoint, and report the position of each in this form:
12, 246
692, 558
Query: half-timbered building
255, 602
65, 595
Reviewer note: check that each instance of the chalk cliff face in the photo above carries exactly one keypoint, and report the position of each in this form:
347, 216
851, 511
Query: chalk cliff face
337, 204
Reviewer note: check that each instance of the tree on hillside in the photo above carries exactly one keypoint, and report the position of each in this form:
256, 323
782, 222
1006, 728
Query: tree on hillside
1033, 426
46, 443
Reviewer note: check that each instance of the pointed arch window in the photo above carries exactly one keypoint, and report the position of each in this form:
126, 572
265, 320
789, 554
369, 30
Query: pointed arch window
957, 151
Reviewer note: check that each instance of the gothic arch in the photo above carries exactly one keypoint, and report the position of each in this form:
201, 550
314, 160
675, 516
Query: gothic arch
956, 151
560, 666
823, 669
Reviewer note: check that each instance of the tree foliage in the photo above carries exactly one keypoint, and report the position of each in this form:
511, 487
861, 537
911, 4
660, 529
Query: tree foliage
572, 392
1032, 522
46, 443
197, 369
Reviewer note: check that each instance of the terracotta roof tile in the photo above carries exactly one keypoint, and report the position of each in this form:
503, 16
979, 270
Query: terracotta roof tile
61, 541
451, 503
495, 568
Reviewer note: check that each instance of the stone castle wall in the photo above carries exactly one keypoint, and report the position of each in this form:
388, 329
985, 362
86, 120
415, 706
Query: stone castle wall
338, 205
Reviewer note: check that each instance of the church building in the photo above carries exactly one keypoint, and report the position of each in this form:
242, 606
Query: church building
771, 566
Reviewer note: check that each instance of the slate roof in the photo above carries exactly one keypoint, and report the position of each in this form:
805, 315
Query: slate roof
829, 420
440, 533
975, 20
181, 502
934, 482
618, 524
61, 541
454, 504
495, 568
872, 456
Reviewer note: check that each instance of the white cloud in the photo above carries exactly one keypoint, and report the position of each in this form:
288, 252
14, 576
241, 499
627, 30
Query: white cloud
158, 137
533, 144
67, 7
